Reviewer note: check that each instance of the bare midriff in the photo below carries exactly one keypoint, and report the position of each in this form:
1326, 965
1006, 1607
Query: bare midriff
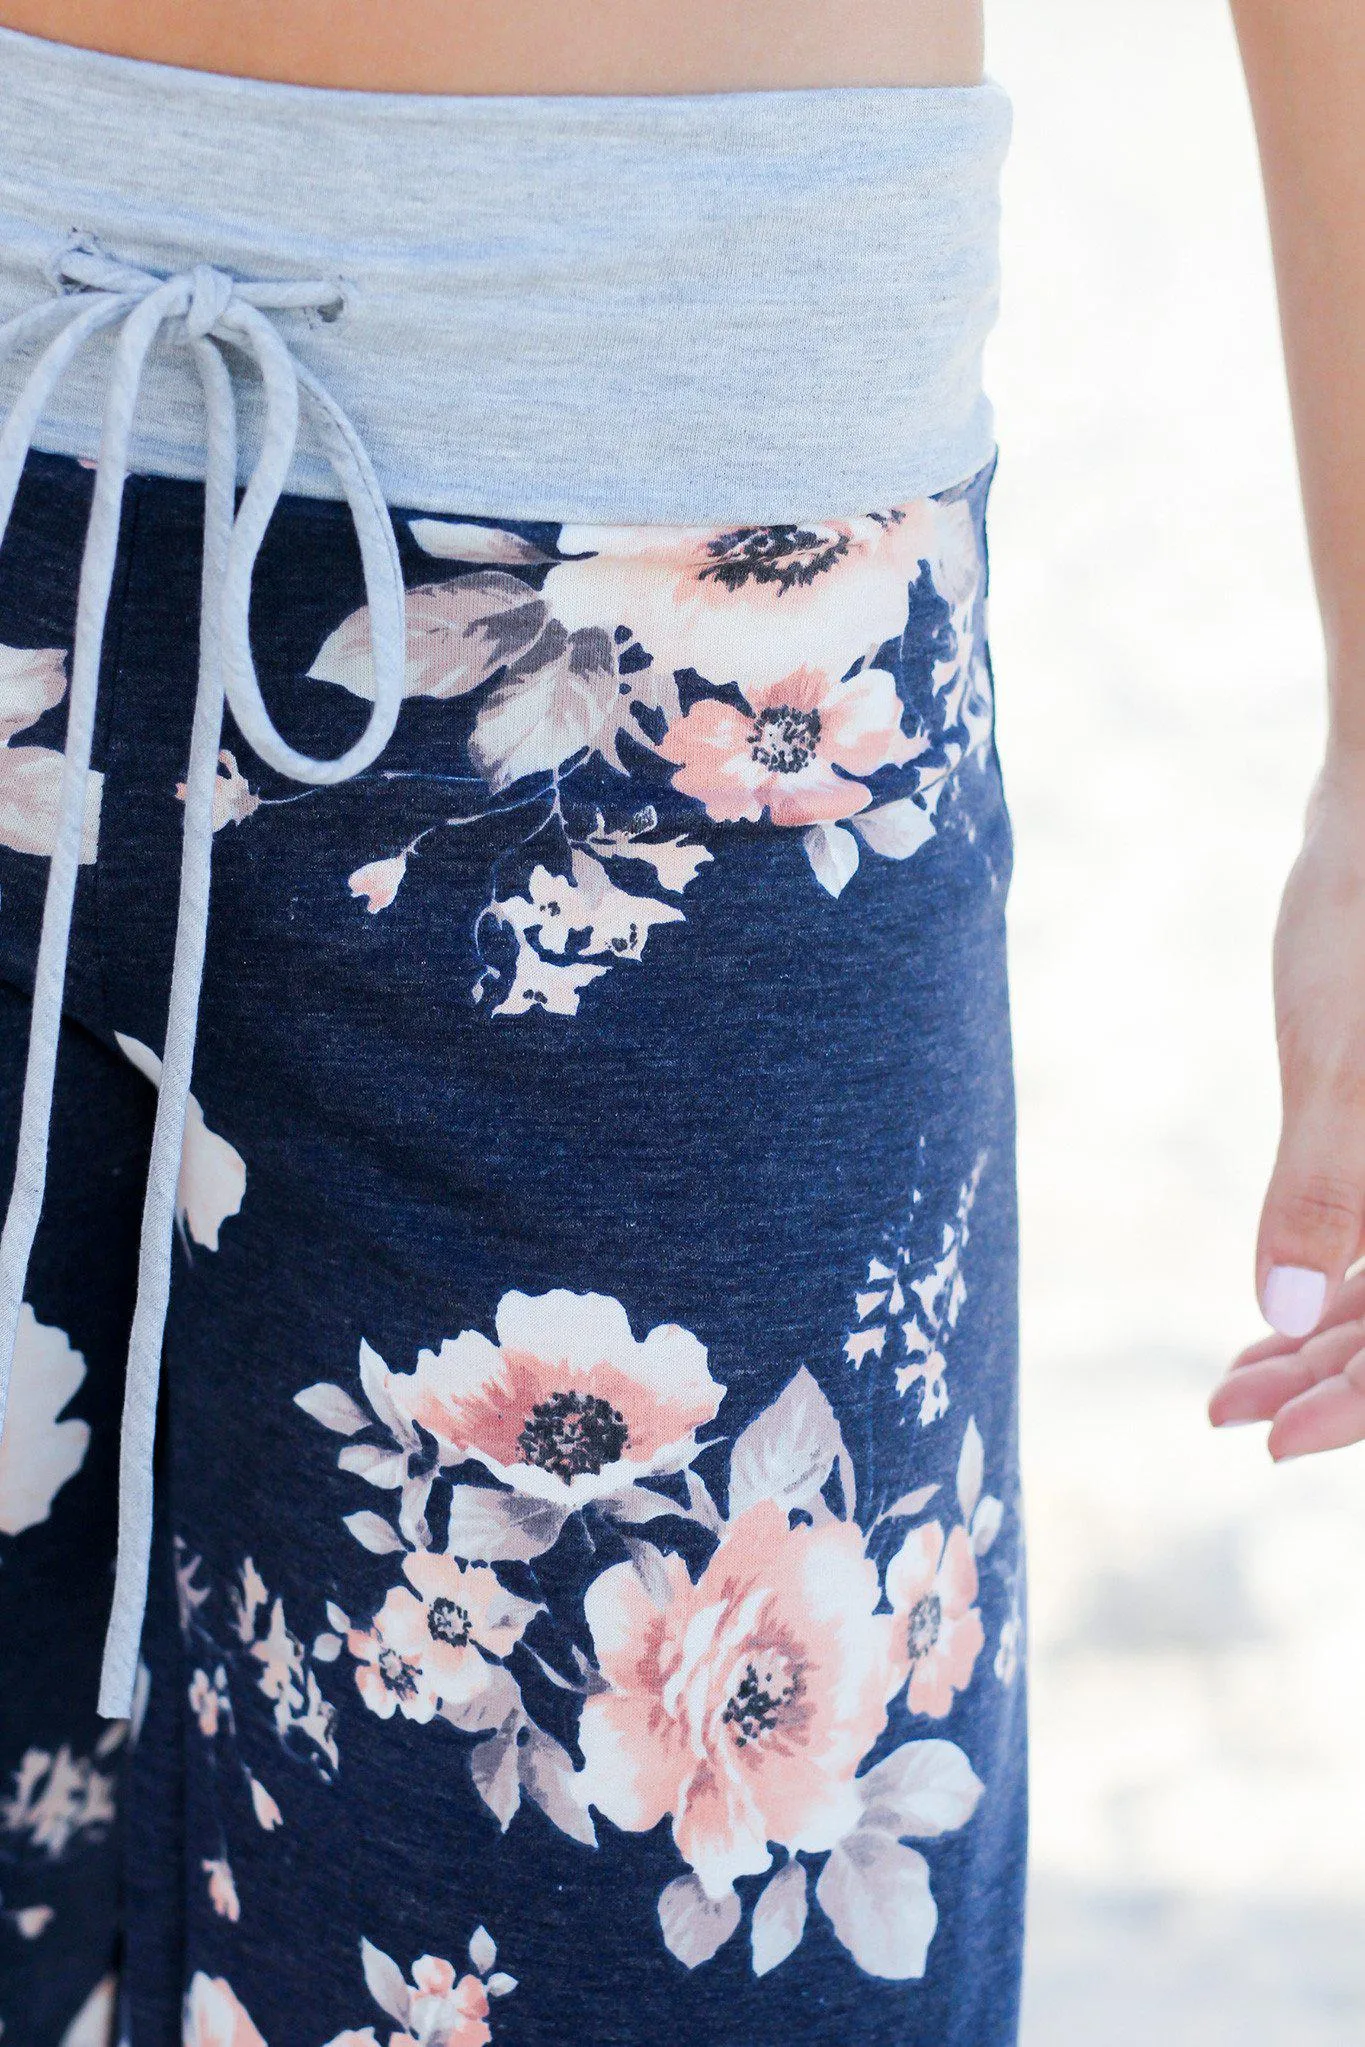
533, 46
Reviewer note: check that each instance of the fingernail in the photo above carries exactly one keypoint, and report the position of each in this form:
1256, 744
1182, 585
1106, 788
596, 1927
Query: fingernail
1293, 1298
1240, 1421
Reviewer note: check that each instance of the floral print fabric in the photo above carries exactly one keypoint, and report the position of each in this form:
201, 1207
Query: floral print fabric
588, 1592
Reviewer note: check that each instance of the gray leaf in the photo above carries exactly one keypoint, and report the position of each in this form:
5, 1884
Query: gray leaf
549, 1777
695, 1926
493, 1766
488, 1526
876, 1894
779, 1918
786, 1452
923, 1788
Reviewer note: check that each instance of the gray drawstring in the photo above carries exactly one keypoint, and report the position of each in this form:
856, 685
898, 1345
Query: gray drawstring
217, 312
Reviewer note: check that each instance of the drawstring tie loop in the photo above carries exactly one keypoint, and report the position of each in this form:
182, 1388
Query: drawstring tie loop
212, 313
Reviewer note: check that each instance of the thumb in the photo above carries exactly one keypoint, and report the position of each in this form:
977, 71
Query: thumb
1314, 1214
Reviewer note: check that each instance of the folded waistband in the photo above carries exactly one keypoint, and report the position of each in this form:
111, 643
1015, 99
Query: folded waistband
744, 307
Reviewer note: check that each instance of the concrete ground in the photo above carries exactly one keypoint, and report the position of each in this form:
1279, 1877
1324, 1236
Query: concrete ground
1199, 1618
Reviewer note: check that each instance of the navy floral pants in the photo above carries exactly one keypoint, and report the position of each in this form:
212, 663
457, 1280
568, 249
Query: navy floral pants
587, 1595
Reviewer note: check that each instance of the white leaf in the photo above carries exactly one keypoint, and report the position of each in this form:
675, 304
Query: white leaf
548, 1776
268, 1814
496, 1699
332, 1407
456, 635
326, 1648
377, 1467
923, 1789
833, 856
493, 1766
338, 1616
488, 1526
384, 1980
560, 697
412, 1511
970, 1469
877, 1896
786, 1452
490, 545
374, 1377
986, 1523
703, 1506
650, 1565
636, 1503
373, 1533
483, 1949
779, 1918
895, 829
909, 1503
677, 862
500, 1984
695, 1926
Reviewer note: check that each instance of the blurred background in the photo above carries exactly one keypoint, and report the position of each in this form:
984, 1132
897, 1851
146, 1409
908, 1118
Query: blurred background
1199, 1617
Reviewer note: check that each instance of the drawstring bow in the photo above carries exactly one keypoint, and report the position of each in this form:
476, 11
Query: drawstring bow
214, 315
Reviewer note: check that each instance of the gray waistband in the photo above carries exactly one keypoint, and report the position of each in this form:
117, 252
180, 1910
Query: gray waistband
727, 307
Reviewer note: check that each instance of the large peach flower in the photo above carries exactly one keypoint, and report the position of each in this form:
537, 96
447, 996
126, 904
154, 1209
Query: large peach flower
751, 604
215, 2016
743, 1705
424, 1648
932, 1585
784, 751
566, 1405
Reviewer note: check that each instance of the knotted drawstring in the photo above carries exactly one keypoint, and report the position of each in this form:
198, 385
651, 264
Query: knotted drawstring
217, 311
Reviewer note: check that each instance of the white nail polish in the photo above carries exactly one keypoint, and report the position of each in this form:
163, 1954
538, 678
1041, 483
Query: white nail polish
1293, 1298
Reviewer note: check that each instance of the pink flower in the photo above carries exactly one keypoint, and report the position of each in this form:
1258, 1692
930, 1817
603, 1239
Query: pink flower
743, 1705
751, 604
215, 2016
204, 1703
379, 882
445, 2011
566, 1405
782, 752
932, 1585
233, 798
222, 1888
424, 1648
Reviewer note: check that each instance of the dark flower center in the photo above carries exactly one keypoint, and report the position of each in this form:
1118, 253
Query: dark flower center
924, 1625
448, 1623
761, 1698
400, 1677
792, 557
783, 740
571, 1433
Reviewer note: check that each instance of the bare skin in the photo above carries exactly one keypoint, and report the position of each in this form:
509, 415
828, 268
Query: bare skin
552, 46
1305, 63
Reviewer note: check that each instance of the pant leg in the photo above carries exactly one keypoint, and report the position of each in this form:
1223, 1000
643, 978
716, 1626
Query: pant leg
60, 1765
591, 1362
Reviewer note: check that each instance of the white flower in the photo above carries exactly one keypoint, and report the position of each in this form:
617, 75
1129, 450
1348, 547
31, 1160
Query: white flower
212, 1174
39, 1453
32, 680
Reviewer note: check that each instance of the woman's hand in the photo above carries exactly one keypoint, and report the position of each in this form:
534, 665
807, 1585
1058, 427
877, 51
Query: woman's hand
1308, 1380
